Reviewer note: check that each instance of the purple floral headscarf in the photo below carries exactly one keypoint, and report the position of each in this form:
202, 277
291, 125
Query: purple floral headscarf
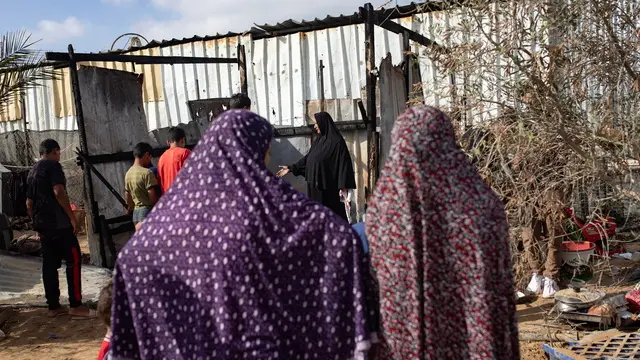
233, 263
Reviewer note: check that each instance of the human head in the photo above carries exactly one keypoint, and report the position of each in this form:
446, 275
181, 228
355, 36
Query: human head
50, 149
176, 137
142, 154
323, 123
104, 303
240, 101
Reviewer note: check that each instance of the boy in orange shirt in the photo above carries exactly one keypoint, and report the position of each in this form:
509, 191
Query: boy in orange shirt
173, 159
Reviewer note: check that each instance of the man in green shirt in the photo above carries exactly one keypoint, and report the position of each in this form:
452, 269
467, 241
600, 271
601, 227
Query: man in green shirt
140, 184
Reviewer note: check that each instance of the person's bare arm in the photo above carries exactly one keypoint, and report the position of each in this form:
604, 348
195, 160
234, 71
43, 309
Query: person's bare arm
151, 182
61, 195
130, 204
153, 196
30, 208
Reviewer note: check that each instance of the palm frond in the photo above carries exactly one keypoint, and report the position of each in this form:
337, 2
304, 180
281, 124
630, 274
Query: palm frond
21, 67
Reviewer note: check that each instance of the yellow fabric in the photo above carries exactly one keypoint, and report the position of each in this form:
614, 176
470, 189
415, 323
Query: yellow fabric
137, 182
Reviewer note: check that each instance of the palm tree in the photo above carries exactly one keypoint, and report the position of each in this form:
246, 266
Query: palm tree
21, 67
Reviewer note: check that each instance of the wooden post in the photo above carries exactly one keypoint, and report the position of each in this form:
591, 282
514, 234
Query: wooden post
321, 78
372, 136
28, 153
242, 65
408, 64
82, 133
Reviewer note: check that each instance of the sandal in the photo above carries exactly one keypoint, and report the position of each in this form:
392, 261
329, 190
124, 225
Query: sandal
57, 312
91, 315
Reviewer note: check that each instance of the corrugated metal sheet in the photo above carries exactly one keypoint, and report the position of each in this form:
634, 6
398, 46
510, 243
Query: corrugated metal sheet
282, 76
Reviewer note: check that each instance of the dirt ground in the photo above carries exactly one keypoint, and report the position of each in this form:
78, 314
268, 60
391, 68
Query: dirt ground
32, 335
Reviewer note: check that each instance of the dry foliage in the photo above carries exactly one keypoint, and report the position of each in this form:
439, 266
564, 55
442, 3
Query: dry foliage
547, 95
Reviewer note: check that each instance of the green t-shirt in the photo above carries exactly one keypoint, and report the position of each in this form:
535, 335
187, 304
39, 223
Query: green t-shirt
137, 182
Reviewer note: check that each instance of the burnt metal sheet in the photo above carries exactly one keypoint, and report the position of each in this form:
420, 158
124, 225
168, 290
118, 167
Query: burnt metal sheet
114, 121
204, 111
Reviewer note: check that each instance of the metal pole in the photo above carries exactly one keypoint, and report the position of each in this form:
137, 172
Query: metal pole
372, 136
88, 183
321, 78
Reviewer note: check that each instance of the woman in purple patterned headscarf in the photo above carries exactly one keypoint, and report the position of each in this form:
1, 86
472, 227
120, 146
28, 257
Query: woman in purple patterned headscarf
233, 263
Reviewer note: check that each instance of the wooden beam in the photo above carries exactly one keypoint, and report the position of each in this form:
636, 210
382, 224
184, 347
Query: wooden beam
401, 30
242, 64
139, 59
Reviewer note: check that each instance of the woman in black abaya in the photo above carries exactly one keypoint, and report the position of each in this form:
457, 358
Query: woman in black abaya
327, 167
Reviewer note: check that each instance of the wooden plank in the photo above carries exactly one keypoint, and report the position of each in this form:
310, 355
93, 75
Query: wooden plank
141, 59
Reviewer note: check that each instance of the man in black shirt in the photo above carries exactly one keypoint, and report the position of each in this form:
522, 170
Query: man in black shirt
49, 207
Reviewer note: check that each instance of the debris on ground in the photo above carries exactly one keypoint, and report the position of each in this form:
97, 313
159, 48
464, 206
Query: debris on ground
21, 223
26, 244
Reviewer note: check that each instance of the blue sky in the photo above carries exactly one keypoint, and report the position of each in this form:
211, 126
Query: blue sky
92, 25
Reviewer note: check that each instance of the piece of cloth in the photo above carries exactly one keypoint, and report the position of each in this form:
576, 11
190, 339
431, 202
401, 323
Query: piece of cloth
438, 238
233, 263
58, 245
345, 198
330, 199
328, 164
47, 212
170, 164
542, 247
138, 181
104, 348
359, 228
140, 214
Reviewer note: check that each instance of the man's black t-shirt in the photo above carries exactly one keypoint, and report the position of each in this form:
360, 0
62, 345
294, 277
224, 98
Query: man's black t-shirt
47, 213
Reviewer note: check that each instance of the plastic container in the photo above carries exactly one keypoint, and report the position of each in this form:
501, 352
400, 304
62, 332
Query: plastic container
577, 253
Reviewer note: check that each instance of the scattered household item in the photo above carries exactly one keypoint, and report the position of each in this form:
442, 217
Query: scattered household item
633, 300
26, 244
21, 223
604, 309
626, 346
579, 298
549, 288
574, 275
598, 232
577, 253
632, 256
535, 284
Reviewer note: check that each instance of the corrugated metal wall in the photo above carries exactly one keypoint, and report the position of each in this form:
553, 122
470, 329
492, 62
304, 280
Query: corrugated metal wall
282, 76
283, 79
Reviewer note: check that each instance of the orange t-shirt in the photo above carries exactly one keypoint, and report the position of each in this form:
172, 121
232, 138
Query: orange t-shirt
170, 164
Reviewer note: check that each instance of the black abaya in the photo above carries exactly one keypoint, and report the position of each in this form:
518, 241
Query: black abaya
327, 167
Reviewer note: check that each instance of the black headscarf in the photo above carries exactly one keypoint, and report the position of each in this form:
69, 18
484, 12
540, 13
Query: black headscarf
328, 164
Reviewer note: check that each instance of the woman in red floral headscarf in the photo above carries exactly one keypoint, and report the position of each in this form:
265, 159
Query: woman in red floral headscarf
439, 247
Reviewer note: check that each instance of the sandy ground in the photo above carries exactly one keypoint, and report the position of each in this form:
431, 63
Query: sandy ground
29, 331
29, 336
32, 335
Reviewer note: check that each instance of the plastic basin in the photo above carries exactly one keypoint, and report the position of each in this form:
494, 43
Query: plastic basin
577, 253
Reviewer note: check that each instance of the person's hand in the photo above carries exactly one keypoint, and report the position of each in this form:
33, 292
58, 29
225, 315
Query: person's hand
284, 170
74, 223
